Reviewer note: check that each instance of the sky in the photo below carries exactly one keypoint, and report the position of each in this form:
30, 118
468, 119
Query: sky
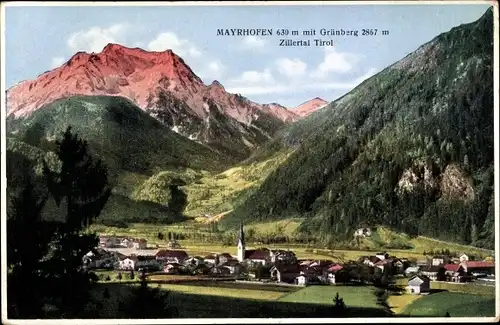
41, 38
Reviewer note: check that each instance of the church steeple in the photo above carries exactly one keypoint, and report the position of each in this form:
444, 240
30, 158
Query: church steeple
241, 243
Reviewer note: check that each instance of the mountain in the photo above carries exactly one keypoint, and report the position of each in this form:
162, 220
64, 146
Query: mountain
127, 138
163, 85
410, 148
309, 107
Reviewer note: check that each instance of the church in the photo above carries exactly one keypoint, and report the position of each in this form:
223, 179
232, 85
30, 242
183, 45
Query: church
263, 256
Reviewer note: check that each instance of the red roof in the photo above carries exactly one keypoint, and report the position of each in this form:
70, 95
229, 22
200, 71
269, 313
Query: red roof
479, 264
452, 267
335, 268
258, 254
171, 253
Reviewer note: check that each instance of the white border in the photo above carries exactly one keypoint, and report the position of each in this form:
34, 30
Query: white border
3, 179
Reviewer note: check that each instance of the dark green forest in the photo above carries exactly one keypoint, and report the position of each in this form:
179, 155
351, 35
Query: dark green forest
430, 114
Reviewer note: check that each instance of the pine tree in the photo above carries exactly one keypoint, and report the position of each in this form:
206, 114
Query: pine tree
81, 187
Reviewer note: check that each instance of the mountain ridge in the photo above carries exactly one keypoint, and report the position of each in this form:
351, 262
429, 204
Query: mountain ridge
162, 84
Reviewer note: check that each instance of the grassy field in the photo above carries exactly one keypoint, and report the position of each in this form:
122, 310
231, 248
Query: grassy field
399, 302
221, 303
354, 296
225, 292
456, 304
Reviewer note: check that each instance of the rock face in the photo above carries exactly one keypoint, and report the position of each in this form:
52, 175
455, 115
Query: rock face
162, 84
309, 107
455, 185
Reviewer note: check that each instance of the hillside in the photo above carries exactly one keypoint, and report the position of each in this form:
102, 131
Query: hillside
410, 148
126, 138
164, 86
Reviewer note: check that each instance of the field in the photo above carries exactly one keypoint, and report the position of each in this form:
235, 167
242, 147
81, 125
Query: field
399, 302
193, 301
354, 296
456, 304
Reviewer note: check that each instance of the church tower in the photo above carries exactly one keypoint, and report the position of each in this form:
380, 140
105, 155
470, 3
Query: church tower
241, 244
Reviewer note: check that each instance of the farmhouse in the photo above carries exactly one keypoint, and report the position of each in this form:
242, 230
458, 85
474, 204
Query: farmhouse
331, 273
284, 272
456, 272
435, 273
463, 258
140, 244
419, 284
480, 267
128, 263
171, 256
212, 259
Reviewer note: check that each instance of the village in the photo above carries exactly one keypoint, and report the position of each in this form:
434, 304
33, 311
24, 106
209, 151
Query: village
126, 255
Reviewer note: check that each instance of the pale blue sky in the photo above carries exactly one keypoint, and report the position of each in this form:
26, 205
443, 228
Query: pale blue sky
41, 38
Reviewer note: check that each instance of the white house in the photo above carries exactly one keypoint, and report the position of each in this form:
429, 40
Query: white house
128, 263
140, 244
463, 258
419, 284
382, 256
301, 280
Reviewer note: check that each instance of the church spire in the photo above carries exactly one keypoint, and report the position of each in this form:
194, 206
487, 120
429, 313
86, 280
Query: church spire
241, 237
241, 244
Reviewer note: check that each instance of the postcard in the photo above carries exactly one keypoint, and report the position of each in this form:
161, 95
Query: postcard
249, 162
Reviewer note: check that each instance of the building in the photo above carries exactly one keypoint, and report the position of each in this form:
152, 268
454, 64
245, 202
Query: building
434, 273
382, 256
463, 258
241, 244
332, 272
456, 273
419, 284
480, 267
281, 272
128, 263
171, 256
301, 280
140, 244
212, 259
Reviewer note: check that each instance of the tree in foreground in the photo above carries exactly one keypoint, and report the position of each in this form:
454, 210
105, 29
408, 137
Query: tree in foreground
47, 269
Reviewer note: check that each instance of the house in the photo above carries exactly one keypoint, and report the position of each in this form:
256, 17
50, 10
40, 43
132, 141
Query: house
126, 242
301, 280
382, 256
480, 267
140, 244
171, 256
412, 270
283, 272
434, 273
285, 256
148, 263
363, 232
398, 266
220, 270
193, 261
456, 273
171, 268
109, 242
212, 259
369, 260
463, 258
440, 260
331, 273
128, 263
233, 266
261, 256
225, 257
321, 263
380, 264
419, 284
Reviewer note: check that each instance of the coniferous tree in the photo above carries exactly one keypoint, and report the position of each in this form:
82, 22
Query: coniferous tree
81, 187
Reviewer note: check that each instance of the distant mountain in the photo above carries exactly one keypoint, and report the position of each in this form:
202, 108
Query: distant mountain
163, 85
410, 148
309, 107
